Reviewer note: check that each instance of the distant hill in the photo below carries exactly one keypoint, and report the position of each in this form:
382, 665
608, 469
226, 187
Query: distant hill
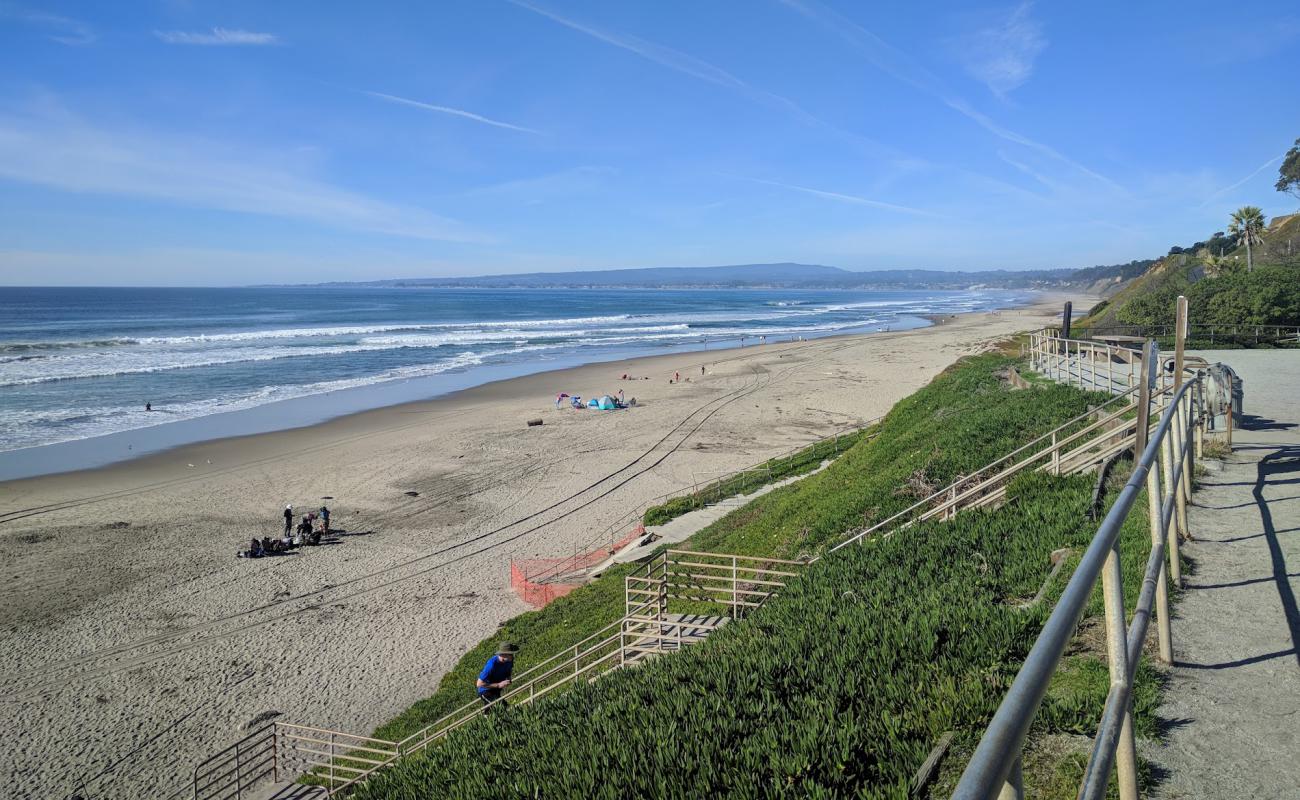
784, 275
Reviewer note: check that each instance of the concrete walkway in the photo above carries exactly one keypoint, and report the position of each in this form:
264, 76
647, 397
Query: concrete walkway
1232, 710
681, 528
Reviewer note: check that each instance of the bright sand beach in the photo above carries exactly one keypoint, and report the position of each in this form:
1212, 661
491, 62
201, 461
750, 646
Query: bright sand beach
133, 643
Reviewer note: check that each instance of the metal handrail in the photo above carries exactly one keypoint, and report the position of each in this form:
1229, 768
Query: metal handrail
995, 765
961, 481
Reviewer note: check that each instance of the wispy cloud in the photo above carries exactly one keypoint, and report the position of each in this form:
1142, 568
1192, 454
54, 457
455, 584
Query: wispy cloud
63, 30
840, 197
1030, 171
900, 66
218, 37
699, 69
1001, 55
582, 180
70, 155
455, 112
1238, 184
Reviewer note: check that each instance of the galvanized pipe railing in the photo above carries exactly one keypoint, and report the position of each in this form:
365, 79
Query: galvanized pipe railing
995, 768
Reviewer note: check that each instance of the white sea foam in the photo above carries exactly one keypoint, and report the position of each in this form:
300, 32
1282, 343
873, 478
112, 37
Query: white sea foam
23, 428
25, 367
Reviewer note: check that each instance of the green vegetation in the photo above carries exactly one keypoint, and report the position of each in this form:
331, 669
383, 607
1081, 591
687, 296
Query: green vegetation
1255, 284
964, 419
864, 661
838, 687
777, 469
1289, 173
1231, 296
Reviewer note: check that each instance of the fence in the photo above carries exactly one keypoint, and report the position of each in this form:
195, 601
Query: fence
536, 579
673, 581
1240, 334
1164, 468
229, 774
1073, 447
1087, 365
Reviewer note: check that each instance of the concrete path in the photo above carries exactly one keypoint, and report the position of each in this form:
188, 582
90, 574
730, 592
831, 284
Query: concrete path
687, 525
1232, 709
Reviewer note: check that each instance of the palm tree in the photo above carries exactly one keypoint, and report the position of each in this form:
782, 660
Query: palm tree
1247, 225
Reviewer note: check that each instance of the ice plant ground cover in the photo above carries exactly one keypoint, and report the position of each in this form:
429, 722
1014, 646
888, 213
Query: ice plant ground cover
839, 686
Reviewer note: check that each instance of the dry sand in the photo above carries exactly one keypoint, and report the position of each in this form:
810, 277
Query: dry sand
133, 643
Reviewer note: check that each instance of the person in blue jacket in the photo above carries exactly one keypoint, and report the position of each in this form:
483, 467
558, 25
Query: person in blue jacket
495, 676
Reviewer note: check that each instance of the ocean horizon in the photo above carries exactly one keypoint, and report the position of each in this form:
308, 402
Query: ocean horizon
80, 364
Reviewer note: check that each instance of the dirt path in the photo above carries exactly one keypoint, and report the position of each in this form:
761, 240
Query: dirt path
1232, 710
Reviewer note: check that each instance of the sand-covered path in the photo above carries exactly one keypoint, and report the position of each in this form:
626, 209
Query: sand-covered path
1232, 709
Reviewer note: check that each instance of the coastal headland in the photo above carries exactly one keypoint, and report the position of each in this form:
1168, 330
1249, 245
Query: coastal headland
133, 642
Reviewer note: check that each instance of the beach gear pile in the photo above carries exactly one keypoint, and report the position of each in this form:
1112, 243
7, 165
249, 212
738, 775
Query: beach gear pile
602, 403
606, 402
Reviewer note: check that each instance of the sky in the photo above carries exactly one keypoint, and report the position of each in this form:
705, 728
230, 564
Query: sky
164, 142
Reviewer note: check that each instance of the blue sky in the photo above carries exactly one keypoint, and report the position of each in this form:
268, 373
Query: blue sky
205, 143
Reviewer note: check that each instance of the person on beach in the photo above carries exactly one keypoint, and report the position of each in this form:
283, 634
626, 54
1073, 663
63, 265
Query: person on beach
677, 377
495, 676
324, 519
148, 406
288, 518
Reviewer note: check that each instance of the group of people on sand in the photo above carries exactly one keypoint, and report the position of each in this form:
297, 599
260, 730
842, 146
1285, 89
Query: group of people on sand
677, 376
313, 525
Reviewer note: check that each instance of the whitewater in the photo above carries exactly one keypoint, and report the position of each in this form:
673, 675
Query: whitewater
77, 363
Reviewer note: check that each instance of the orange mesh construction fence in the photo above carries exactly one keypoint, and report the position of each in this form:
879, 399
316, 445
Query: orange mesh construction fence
538, 580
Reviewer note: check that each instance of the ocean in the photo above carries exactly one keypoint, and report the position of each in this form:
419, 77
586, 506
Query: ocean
79, 363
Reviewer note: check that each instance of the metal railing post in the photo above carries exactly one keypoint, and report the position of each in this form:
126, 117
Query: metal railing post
1110, 371
331, 789
1143, 406
1178, 436
1117, 657
1189, 461
1056, 456
1200, 417
735, 593
1167, 475
239, 773
1163, 629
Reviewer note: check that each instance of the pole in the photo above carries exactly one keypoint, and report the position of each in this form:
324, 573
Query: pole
1066, 320
1167, 474
1162, 593
1144, 404
1120, 675
1180, 341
